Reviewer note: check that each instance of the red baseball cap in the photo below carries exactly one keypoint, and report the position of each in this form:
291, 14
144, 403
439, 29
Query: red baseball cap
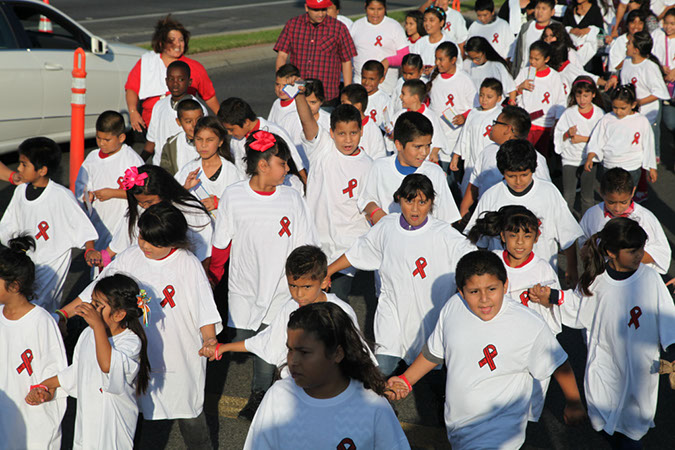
319, 4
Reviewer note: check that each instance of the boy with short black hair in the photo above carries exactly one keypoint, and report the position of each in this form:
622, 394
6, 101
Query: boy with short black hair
617, 191
163, 123
98, 187
286, 75
240, 121
530, 32
412, 137
493, 348
372, 76
372, 140
180, 149
494, 29
49, 212
517, 162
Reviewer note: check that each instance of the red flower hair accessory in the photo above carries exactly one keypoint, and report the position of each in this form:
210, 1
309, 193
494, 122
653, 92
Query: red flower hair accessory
133, 178
263, 140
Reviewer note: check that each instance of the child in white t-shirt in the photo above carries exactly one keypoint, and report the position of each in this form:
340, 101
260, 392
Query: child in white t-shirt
635, 22
571, 136
415, 256
494, 348
484, 62
285, 76
411, 69
434, 23
617, 190
110, 366
372, 141
372, 76
332, 377
495, 30
180, 148
31, 349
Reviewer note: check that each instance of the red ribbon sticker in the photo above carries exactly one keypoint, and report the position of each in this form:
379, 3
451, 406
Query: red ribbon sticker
350, 188
43, 227
421, 263
27, 358
636, 138
635, 314
525, 298
633, 81
495, 38
373, 115
285, 223
346, 444
120, 182
448, 25
168, 292
487, 131
490, 352
378, 41
547, 95
451, 100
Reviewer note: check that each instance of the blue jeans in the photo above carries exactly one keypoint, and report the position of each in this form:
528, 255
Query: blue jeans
341, 286
387, 364
263, 373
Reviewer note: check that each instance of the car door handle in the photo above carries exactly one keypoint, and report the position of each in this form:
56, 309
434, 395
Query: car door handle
53, 66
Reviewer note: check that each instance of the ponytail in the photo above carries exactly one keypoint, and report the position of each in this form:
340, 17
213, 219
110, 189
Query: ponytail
593, 262
16, 267
509, 218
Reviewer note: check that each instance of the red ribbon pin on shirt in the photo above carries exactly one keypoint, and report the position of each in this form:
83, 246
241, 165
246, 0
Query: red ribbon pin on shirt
168, 292
547, 95
421, 263
635, 314
525, 298
350, 188
487, 131
346, 444
378, 41
43, 227
633, 81
448, 25
27, 358
120, 182
373, 115
636, 138
451, 100
490, 352
495, 38
285, 223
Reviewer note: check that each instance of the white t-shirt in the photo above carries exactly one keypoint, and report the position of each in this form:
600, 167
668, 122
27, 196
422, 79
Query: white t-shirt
558, 226
31, 350
455, 26
657, 243
547, 96
372, 140
163, 123
491, 69
574, 154
206, 187
532, 34
270, 343
664, 48
384, 179
474, 137
451, 96
621, 380
105, 172
377, 107
106, 408
427, 50
334, 186
417, 272
438, 136
569, 72
497, 33
617, 52
586, 45
647, 79
486, 174
627, 143
491, 366
263, 231
280, 109
181, 302
355, 418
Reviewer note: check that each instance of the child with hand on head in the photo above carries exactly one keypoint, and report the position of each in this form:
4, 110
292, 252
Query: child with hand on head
31, 349
571, 136
412, 137
163, 124
182, 319
485, 63
617, 190
180, 148
415, 256
98, 187
372, 76
624, 331
517, 161
110, 366
331, 375
494, 348
258, 224
475, 134
540, 93
372, 141
286, 75
623, 138
411, 69
240, 121
50, 213
207, 177
495, 30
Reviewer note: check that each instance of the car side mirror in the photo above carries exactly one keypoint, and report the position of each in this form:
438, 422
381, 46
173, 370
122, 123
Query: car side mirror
98, 46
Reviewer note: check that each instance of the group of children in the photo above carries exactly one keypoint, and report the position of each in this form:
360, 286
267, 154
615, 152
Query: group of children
283, 212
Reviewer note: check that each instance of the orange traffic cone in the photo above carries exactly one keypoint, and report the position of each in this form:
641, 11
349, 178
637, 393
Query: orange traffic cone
45, 24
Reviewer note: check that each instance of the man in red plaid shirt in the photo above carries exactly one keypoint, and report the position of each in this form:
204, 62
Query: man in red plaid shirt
319, 45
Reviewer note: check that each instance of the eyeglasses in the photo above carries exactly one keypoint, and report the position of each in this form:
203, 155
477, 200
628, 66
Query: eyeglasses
497, 122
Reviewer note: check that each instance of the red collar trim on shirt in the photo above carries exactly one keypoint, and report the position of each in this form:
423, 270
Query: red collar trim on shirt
505, 256
563, 65
446, 76
264, 192
539, 27
104, 155
365, 121
587, 115
626, 213
412, 42
420, 110
543, 73
256, 127
285, 103
173, 250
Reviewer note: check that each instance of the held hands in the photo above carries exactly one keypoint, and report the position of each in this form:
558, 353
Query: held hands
540, 294
37, 396
93, 258
611, 83
209, 203
398, 389
90, 314
137, 122
104, 194
208, 349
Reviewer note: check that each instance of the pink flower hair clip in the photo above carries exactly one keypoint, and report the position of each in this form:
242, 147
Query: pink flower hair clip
263, 140
133, 178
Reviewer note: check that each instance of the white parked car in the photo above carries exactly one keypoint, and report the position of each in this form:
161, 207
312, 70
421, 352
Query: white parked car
35, 73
